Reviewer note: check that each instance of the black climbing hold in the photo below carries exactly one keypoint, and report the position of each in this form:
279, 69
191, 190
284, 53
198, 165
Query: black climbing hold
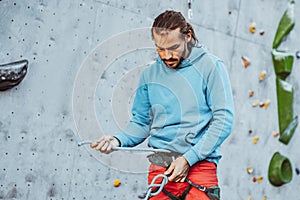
11, 74
297, 54
297, 171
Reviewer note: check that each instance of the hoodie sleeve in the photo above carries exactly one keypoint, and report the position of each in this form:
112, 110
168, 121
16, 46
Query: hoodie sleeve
220, 102
138, 128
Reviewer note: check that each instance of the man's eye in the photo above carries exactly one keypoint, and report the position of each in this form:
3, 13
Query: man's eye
174, 48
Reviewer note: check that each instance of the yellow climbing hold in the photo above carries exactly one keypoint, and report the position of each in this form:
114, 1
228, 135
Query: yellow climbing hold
255, 139
266, 103
265, 198
252, 27
249, 170
117, 183
262, 75
255, 103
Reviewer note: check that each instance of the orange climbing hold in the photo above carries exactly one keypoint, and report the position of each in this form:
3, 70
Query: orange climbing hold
246, 61
251, 93
275, 134
259, 179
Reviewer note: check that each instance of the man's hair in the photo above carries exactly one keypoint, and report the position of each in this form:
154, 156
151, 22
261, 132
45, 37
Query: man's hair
171, 20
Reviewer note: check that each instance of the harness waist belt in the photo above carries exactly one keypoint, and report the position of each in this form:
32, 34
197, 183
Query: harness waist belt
163, 159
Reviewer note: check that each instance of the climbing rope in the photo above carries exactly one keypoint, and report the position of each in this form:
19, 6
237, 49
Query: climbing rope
128, 148
155, 188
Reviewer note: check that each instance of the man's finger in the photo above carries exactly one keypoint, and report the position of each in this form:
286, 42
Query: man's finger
177, 176
104, 147
100, 145
174, 177
169, 170
182, 180
94, 144
109, 147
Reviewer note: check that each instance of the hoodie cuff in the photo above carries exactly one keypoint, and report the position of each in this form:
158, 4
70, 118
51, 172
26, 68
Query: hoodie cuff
121, 139
191, 157
118, 140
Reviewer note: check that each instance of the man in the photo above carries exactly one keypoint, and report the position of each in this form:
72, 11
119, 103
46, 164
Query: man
184, 104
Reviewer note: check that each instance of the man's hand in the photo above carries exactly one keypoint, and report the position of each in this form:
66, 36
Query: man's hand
178, 170
105, 144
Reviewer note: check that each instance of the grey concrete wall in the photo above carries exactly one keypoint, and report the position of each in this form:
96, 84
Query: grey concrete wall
84, 61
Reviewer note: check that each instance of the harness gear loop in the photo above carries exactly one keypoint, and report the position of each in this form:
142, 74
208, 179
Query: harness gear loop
153, 192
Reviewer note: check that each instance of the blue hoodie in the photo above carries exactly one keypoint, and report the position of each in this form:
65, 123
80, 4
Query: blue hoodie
189, 109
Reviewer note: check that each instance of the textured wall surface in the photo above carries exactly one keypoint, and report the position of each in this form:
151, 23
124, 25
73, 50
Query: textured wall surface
85, 58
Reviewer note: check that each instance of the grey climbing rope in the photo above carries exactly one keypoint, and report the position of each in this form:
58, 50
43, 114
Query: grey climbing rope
154, 191
128, 148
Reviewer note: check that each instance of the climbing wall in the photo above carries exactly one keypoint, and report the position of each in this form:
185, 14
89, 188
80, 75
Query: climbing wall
85, 58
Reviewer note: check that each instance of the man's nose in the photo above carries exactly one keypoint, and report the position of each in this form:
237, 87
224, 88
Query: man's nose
167, 54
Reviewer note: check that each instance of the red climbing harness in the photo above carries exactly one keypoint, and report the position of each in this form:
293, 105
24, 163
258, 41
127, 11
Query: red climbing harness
201, 183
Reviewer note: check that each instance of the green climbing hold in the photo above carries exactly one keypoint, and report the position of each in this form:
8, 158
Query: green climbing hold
280, 170
283, 63
286, 24
287, 134
285, 93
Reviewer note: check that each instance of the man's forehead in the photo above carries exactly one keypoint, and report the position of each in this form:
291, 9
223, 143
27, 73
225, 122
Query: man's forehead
166, 37
166, 32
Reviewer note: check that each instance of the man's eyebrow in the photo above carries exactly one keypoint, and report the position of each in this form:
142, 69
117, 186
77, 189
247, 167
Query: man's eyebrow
171, 47
158, 46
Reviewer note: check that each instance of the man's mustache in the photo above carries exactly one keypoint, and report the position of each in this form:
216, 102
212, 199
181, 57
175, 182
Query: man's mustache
170, 60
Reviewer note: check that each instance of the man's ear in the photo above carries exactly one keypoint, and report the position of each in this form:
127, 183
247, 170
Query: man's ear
188, 37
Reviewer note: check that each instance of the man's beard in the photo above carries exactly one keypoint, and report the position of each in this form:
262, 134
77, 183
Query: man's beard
173, 63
